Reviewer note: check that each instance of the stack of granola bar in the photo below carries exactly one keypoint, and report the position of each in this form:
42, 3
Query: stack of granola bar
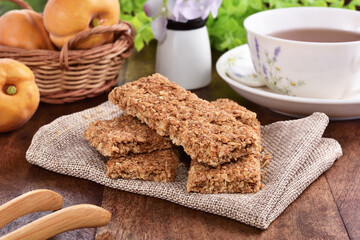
135, 151
222, 138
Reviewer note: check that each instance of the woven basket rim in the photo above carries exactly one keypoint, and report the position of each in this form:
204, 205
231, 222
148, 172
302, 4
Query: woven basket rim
23, 51
122, 30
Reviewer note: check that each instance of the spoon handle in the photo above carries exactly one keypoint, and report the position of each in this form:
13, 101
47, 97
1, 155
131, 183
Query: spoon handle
77, 216
37, 200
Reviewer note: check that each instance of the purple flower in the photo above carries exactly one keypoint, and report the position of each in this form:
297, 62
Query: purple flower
238, 74
192, 9
152, 7
264, 69
158, 26
157, 9
257, 49
186, 10
276, 53
174, 8
208, 6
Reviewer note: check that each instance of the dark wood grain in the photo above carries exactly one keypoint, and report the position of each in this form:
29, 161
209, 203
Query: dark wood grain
328, 209
139, 217
344, 176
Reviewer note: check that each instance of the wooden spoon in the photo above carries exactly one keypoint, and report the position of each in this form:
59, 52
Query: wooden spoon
78, 216
37, 200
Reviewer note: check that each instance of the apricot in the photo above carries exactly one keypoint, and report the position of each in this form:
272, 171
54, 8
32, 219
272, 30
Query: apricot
64, 19
19, 94
24, 29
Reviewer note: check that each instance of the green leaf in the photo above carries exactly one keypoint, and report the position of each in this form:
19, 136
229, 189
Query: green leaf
138, 43
272, 3
227, 4
353, 4
243, 6
286, 4
126, 6
337, 4
142, 25
315, 3
142, 17
126, 17
147, 34
138, 5
233, 25
256, 4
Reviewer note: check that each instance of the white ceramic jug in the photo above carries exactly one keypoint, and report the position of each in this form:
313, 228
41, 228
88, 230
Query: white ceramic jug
184, 57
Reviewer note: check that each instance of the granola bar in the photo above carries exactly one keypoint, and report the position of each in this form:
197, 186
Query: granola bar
159, 166
207, 134
239, 112
243, 176
238, 177
124, 135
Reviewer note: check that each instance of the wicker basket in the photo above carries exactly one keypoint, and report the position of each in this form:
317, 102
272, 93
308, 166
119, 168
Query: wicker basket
71, 75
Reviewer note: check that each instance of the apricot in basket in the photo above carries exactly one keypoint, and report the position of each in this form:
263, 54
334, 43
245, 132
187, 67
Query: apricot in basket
66, 18
24, 29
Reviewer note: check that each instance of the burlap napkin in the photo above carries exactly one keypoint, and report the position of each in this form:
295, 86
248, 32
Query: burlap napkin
300, 155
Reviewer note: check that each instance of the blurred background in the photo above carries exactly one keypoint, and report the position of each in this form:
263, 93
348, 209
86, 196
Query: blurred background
226, 30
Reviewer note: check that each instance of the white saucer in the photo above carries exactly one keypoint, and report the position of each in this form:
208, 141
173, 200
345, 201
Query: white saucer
336, 109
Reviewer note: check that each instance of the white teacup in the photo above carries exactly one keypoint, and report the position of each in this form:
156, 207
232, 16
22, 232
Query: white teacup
305, 69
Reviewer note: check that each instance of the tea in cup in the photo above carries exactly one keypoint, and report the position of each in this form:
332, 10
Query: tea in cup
307, 51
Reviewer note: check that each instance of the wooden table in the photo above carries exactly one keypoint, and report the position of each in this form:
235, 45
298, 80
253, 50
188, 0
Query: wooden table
328, 209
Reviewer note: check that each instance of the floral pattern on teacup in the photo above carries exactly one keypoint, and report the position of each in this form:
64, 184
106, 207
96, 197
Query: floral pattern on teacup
244, 74
271, 74
233, 59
